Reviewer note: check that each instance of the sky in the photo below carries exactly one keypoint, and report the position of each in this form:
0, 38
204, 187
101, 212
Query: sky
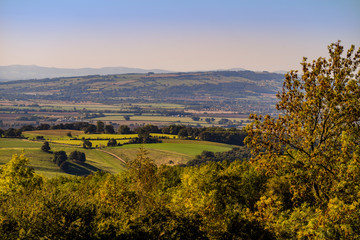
186, 35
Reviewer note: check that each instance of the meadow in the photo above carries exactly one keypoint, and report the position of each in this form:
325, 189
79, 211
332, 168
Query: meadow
171, 151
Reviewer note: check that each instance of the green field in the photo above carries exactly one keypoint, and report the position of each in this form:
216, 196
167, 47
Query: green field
171, 151
42, 162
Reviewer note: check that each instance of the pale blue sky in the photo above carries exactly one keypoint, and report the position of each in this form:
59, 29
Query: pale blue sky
174, 35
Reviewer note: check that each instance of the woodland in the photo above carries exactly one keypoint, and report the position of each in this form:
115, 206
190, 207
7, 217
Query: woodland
302, 180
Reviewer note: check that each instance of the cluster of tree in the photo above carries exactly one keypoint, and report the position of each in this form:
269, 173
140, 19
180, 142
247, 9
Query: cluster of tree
86, 143
238, 153
112, 143
46, 147
60, 158
11, 133
77, 156
213, 134
144, 137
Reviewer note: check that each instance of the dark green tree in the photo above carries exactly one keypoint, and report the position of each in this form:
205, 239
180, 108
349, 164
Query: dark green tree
77, 156
109, 129
60, 157
100, 127
90, 129
87, 143
45, 147
112, 143
124, 129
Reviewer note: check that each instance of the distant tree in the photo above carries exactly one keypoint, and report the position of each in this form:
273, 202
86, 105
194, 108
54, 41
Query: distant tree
27, 128
147, 128
60, 157
45, 147
109, 129
69, 134
87, 143
195, 118
39, 138
1, 132
183, 133
90, 129
123, 129
43, 126
224, 121
12, 133
112, 143
127, 118
100, 127
77, 156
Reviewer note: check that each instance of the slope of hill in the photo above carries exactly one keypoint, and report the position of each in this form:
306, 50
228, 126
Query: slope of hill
22, 72
170, 86
146, 98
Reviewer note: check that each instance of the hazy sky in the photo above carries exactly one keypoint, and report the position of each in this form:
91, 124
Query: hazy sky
175, 35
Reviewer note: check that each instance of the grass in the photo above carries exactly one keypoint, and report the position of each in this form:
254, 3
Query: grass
42, 162
191, 148
172, 151
95, 143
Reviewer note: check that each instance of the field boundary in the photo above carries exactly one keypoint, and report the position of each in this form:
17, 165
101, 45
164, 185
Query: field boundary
112, 154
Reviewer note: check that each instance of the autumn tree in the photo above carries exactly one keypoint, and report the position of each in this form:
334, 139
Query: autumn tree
311, 151
314, 142
142, 171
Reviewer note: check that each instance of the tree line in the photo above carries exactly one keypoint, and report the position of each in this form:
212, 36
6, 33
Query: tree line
213, 134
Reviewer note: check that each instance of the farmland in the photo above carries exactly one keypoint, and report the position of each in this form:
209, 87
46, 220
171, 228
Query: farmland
195, 99
172, 151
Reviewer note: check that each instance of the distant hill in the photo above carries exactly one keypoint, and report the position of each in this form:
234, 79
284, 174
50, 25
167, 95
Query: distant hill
23, 72
211, 87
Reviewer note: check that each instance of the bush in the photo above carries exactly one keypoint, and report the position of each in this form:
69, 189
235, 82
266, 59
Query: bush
112, 143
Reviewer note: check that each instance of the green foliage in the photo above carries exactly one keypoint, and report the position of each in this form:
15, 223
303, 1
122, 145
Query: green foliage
77, 156
100, 127
112, 143
238, 153
142, 171
124, 129
45, 147
59, 157
87, 143
311, 151
15, 176
109, 129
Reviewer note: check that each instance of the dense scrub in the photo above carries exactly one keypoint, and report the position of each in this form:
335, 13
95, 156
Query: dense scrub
207, 202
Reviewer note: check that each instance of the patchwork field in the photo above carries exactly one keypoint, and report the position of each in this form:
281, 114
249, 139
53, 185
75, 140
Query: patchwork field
171, 151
